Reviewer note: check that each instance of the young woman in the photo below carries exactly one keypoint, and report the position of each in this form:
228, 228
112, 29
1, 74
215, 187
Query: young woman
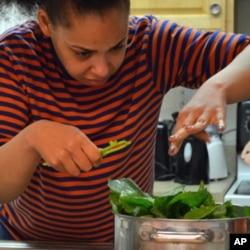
81, 75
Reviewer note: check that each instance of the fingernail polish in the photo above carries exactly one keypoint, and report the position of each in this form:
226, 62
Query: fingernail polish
171, 137
172, 149
189, 127
221, 125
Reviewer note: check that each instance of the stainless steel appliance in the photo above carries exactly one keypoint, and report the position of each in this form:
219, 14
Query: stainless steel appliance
239, 193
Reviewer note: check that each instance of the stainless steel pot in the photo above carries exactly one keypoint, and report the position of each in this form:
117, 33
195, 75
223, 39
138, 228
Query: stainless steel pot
137, 233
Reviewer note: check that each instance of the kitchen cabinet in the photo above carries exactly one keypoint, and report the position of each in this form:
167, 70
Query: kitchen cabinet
201, 14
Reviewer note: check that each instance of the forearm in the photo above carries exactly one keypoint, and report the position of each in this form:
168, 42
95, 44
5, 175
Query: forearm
18, 160
233, 81
208, 105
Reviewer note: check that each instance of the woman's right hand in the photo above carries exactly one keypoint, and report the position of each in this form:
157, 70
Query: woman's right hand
64, 147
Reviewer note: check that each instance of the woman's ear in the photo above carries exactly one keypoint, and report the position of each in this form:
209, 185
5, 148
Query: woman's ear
44, 22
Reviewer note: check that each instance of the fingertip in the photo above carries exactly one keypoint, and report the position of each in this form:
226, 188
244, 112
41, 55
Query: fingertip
97, 164
76, 172
97, 160
172, 138
189, 128
172, 149
221, 125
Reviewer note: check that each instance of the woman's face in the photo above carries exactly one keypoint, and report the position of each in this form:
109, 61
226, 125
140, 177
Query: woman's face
92, 48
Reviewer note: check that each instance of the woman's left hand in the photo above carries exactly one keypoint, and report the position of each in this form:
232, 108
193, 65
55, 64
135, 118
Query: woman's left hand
208, 106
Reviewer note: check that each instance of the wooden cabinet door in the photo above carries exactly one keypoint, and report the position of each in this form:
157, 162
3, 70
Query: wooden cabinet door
202, 14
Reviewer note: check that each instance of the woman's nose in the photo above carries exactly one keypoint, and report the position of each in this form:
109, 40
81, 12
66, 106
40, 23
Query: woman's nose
101, 67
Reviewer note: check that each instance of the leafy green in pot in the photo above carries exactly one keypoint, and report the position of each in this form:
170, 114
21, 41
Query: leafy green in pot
128, 199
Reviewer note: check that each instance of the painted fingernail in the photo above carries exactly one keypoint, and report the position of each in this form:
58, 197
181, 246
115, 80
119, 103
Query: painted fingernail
201, 121
172, 137
221, 124
189, 127
172, 149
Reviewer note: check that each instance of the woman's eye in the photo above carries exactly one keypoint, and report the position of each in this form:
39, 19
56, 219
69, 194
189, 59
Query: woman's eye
83, 53
119, 47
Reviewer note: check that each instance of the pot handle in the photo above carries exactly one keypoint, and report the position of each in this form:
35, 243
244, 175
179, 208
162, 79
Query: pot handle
171, 236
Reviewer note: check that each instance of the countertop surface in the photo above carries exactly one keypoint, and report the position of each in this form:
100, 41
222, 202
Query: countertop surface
35, 245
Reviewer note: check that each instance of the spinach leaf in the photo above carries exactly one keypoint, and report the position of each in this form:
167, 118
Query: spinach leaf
246, 211
127, 198
199, 213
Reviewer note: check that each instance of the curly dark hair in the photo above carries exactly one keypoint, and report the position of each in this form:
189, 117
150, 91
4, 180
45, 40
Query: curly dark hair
57, 9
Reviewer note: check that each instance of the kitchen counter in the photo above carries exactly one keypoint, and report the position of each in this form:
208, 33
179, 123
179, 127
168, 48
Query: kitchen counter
35, 245
217, 188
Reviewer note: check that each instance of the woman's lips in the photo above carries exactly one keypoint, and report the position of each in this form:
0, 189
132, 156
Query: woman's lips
95, 82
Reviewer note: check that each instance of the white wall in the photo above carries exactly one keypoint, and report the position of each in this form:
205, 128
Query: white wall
173, 102
12, 15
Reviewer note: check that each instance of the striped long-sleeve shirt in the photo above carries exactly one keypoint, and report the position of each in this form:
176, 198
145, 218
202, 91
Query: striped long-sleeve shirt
160, 55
